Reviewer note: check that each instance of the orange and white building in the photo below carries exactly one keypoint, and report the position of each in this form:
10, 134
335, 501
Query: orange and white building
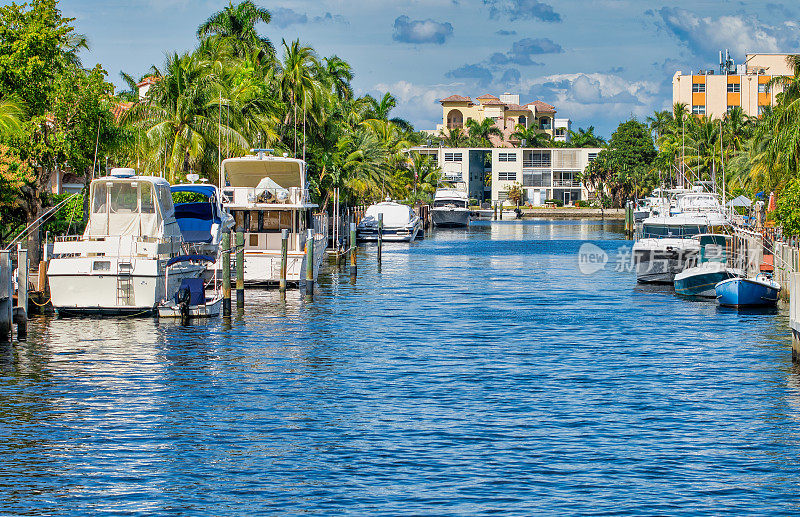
714, 92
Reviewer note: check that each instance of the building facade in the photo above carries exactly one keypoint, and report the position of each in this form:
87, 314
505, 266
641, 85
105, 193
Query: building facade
714, 92
542, 173
507, 113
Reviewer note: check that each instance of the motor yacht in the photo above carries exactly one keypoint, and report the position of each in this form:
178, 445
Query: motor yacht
450, 208
400, 223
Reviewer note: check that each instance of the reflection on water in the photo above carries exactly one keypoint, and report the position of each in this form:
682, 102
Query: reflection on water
477, 370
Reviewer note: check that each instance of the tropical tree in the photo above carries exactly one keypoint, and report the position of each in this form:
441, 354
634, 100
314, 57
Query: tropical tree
480, 133
531, 137
235, 27
586, 138
454, 137
12, 113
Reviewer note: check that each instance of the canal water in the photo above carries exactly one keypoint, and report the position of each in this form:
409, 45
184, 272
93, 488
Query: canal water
477, 371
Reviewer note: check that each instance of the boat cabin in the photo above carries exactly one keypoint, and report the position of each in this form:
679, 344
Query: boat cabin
265, 195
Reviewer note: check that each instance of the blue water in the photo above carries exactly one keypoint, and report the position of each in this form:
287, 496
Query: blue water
475, 372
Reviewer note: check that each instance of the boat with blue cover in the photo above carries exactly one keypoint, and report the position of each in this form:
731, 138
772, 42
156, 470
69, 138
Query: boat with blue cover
758, 291
711, 269
201, 216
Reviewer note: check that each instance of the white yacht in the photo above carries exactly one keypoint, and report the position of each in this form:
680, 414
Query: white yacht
118, 265
400, 223
450, 208
701, 204
201, 216
267, 194
665, 245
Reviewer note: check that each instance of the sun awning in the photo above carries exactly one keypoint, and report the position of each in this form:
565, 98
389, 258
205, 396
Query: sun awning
248, 172
740, 201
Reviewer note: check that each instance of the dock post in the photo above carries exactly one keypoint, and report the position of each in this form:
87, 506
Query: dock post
6, 296
380, 236
500, 211
353, 248
494, 205
794, 315
239, 270
226, 275
310, 263
23, 269
284, 259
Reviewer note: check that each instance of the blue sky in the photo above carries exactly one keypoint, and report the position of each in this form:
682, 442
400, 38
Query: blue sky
598, 61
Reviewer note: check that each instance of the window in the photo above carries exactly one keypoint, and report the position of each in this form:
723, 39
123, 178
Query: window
699, 109
452, 157
761, 110
561, 131
698, 88
734, 87
507, 176
507, 157
592, 157
762, 87
731, 108
99, 198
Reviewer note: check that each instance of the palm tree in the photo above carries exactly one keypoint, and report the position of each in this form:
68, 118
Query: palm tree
531, 137
381, 109
480, 132
337, 75
236, 26
453, 138
297, 82
586, 138
12, 112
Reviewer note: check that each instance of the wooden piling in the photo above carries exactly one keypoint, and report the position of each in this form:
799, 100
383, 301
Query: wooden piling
794, 314
494, 217
284, 259
380, 236
6, 296
239, 270
500, 211
310, 262
353, 248
23, 269
226, 275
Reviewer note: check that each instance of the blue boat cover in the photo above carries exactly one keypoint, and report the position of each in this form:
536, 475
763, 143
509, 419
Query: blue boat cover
187, 258
206, 190
196, 289
195, 220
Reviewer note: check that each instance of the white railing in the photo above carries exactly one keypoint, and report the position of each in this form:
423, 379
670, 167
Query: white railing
252, 195
544, 164
566, 183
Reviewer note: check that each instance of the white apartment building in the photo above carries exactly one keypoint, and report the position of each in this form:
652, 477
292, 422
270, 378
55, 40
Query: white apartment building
543, 173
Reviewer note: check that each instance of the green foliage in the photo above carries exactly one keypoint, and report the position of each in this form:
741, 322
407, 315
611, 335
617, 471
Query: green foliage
68, 220
787, 212
557, 202
581, 203
515, 194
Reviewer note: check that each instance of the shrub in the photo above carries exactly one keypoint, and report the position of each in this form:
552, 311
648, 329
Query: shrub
581, 203
557, 202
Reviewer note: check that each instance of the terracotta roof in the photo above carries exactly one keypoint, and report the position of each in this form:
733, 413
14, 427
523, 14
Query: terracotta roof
517, 107
487, 96
493, 102
70, 177
542, 107
456, 98
148, 80
120, 108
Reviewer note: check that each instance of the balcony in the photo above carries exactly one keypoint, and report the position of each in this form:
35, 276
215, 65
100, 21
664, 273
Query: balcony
566, 183
451, 176
535, 180
544, 164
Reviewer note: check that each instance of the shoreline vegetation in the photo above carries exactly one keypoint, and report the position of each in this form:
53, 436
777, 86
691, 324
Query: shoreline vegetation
238, 89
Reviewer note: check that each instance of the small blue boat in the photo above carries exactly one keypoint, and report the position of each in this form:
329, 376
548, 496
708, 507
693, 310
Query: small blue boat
701, 279
759, 291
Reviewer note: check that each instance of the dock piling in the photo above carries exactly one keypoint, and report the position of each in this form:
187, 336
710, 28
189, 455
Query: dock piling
226, 275
284, 259
310, 263
6, 296
353, 248
23, 269
494, 217
239, 270
380, 236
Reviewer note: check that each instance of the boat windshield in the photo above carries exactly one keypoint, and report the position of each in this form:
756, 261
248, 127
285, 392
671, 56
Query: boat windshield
123, 208
457, 203
660, 231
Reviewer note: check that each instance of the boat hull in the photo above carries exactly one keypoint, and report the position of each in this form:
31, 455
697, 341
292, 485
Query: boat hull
210, 309
450, 217
701, 281
390, 234
747, 292
661, 265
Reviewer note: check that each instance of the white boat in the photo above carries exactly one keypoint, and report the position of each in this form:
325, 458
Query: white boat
701, 204
117, 266
267, 194
191, 299
450, 208
665, 246
400, 223
201, 216
700, 279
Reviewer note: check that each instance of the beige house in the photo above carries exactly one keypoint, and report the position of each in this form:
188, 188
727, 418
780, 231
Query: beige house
505, 110
713, 93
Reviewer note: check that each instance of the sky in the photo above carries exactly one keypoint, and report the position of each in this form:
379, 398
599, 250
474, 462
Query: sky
599, 62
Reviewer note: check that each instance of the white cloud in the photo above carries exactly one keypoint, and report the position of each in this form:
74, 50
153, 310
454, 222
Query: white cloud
705, 36
418, 103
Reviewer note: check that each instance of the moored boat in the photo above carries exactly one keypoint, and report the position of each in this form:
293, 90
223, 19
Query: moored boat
400, 223
450, 208
201, 216
191, 299
117, 266
701, 279
665, 247
758, 291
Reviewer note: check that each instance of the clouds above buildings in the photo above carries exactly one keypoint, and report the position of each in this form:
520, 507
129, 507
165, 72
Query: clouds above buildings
704, 36
407, 30
522, 51
522, 10
479, 73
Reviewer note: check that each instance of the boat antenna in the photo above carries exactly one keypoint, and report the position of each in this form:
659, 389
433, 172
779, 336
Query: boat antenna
722, 162
219, 142
96, 145
304, 125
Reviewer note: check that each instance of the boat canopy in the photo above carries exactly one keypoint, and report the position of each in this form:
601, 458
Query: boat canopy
249, 171
139, 206
190, 258
208, 191
197, 219
394, 214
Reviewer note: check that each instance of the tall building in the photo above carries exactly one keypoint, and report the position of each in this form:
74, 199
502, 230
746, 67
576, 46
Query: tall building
507, 113
714, 92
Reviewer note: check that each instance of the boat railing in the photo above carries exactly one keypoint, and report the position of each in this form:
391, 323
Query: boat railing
252, 195
114, 245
